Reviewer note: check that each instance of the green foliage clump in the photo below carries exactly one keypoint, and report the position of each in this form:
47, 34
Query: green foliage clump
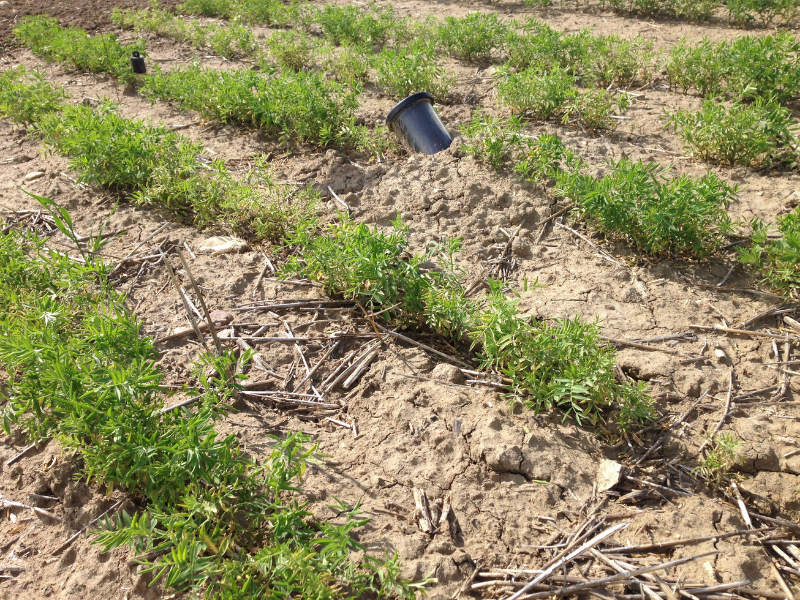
778, 260
545, 159
745, 68
114, 152
560, 366
302, 107
556, 366
97, 54
208, 519
493, 140
535, 92
744, 12
502, 142
757, 134
403, 71
351, 25
593, 60
721, 459
689, 9
262, 12
228, 41
26, 97
613, 60
638, 204
474, 36
349, 64
541, 95
158, 167
376, 142
292, 49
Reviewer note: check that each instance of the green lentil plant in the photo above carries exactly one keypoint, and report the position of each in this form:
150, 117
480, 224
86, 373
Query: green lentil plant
534, 92
227, 41
744, 12
755, 135
376, 142
474, 36
97, 54
356, 262
400, 72
612, 60
778, 260
293, 49
693, 11
764, 67
351, 25
638, 204
304, 107
151, 19
555, 366
113, 152
157, 167
84, 376
262, 12
268, 12
702, 67
544, 158
716, 466
539, 45
493, 140
26, 97
745, 68
349, 65
559, 366
224, 9
593, 108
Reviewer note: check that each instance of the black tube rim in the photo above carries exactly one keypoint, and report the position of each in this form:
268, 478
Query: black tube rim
407, 102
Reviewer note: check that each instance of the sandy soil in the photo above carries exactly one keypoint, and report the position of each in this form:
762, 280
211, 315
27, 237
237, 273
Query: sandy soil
511, 478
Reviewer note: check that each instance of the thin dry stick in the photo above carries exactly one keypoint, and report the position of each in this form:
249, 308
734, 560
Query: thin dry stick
320, 362
590, 242
469, 580
619, 576
202, 301
36, 509
640, 346
339, 200
774, 521
258, 360
423, 346
658, 546
261, 276
749, 522
21, 454
725, 412
354, 365
778, 310
555, 566
186, 305
342, 365
742, 332
74, 537
362, 367
553, 216
139, 245
620, 569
